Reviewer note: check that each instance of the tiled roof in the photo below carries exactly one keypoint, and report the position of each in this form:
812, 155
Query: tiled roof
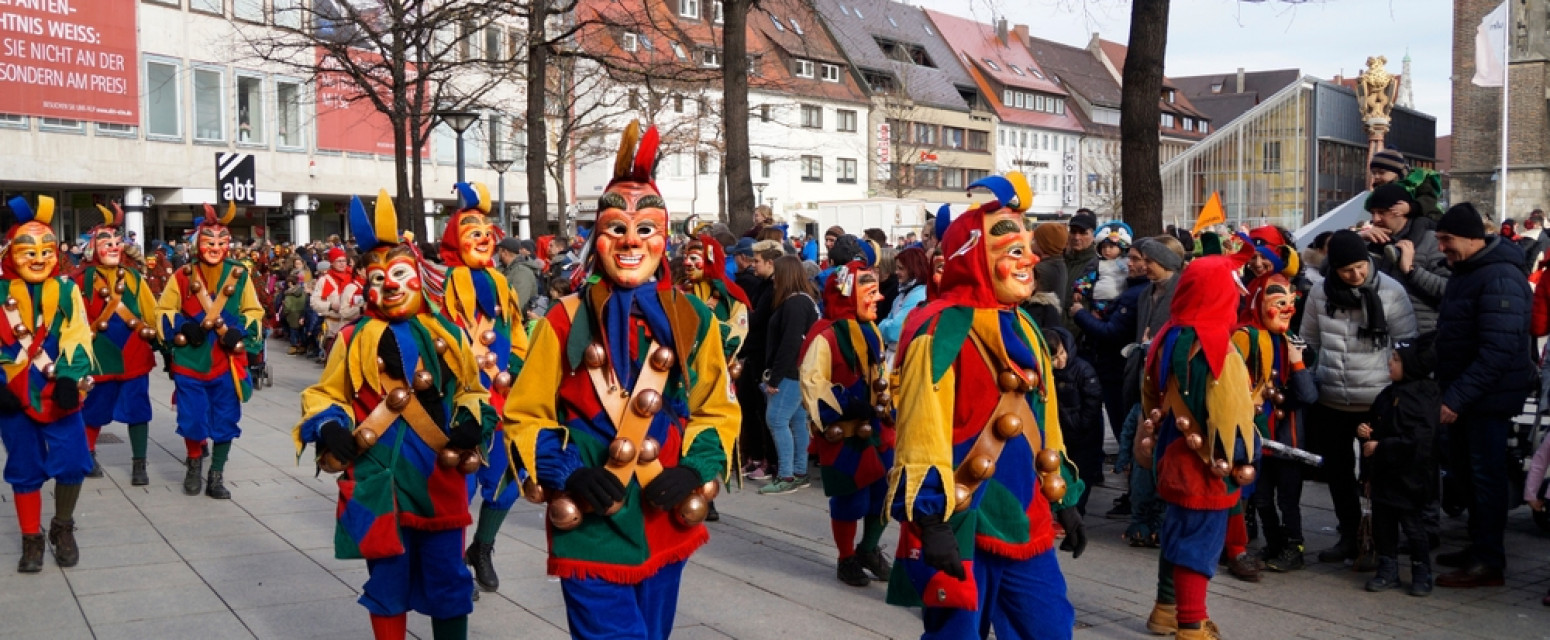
995, 64
1227, 104
1079, 70
857, 25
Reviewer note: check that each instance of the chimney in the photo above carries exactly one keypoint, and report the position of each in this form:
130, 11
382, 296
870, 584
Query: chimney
1240, 79
1021, 31
1001, 33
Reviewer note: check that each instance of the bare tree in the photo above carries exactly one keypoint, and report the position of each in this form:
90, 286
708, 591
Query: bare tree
403, 57
1141, 115
1106, 196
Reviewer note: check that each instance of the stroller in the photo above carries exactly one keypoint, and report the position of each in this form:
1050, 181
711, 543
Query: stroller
1526, 438
259, 371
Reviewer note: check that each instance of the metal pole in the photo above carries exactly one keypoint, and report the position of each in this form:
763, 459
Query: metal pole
500, 181
1501, 187
460, 176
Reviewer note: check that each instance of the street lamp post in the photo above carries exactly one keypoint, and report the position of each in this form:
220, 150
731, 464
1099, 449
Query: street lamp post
759, 187
500, 167
460, 121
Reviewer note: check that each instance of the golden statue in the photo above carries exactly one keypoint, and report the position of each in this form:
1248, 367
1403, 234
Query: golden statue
1376, 90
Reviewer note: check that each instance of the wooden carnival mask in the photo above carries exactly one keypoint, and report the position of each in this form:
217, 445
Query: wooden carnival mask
868, 295
1009, 251
630, 237
393, 286
211, 237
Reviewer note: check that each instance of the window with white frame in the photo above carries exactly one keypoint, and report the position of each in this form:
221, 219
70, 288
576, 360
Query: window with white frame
796, 27
288, 127
707, 163
1204, 127
719, 12
287, 13
927, 175
953, 137
812, 168
845, 120
812, 116
689, 8
925, 134
992, 64
250, 10
61, 124
1189, 124
802, 68
13, 121
208, 6
209, 104
764, 166
629, 41
163, 100
250, 110
710, 58
952, 179
845, 171
831, 73
492, 43
1167, 121
678, 50
116, 130
778, 26
678, 103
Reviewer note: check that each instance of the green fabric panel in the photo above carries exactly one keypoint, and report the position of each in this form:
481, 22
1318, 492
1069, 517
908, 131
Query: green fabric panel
952, 329
618, 539
706, 456
836, 482
1001, 515
847, 349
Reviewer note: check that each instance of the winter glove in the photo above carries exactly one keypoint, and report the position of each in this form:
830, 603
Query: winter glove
671, 487
466, 435
193, 333
67, 394
596, 487
231, 339
1076, 534
939, 547
9, 403
337, 440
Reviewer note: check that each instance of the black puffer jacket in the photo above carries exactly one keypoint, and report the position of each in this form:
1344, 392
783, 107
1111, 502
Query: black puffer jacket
1079, 397
1484, 350
1403, 469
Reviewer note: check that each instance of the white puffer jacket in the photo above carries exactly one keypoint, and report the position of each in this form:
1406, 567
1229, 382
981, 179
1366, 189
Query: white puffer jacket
1352, 370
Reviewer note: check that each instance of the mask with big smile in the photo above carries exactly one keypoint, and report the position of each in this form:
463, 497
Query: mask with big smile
694, 263
214, 243
868, 295
108, 246
1009, 250
476, 240
631, 233
393, 284
34, 252
1277, 305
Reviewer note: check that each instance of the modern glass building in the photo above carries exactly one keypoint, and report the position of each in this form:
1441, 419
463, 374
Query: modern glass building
1296, 155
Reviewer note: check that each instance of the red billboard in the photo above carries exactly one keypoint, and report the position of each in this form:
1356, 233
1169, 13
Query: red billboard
61, 60
347, 120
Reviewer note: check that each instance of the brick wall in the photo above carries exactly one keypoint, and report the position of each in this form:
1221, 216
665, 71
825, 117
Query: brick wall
1477, 124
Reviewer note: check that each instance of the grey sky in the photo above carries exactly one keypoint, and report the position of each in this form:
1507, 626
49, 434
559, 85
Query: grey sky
1218, 36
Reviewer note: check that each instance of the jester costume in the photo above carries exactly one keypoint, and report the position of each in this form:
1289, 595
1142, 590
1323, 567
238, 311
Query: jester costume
1198, 437
46, 356
980, 472
400, 412
121, 309
706, 260
211, 314
845, 390
480, 301
626, 417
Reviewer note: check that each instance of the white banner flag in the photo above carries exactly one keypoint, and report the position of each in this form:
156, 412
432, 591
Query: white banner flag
1490, 45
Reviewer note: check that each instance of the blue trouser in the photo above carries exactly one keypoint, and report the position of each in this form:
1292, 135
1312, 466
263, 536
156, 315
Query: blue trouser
488, 478
429, 577
127, 401
1020, 599
37, 451
1145, 508
865, 502
601, 610
1479, 444
1193, 538
207, 409
788, 427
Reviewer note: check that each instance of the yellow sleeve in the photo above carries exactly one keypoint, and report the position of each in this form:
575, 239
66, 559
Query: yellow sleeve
75, 337
816, 367
531, 407
737, 326
471, 395
924, 427
170, 305
713, 399
332, 391
147, 303
1230, 412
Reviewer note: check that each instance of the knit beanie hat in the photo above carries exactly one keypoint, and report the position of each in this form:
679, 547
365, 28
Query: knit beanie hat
1463, 221
1389, 160
1051, 238
1159, 253
1345, 248
1417, 356
1389, 195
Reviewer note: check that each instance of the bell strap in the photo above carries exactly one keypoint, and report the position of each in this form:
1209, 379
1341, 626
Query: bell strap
114, 306
624, 408
32, 343
383, 415
1011, 416
480, 348
1175, 404
212, 308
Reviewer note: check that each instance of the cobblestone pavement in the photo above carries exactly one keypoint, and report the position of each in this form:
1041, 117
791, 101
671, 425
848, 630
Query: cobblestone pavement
158, 564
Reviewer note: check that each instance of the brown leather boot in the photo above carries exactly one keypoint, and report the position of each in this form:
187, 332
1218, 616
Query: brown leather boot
1245, 567
61, 536
1164, 620
1206, 631
32, 553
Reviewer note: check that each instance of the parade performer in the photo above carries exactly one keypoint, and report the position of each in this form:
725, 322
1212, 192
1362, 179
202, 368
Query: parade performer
1198, 436
626, 417
122, 312
845, 390
211, 313
400, 412
45, 354
980, 472
336, 297
706, 261
480, 300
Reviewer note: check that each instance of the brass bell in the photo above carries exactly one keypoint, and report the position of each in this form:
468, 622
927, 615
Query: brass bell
647, 403
1155, 415
1280, 414
1259, 409
10, 304
502, 381
564, 514
883, 412
650, 449
1145, 447
865, 431
1048, 461
621, 451
1053, 488
147, 333
662, 359
441, 346
711, 489
195, 286
533, 491
1194, 441
134, 323
329, 464
1244, 474
49, 370
1221, 467
102, 325
237, 272
833, 433
448, 458
469, 462
119, 287
1148, 427
179, 340
1269, 393
397, 399
485, 360
365, 438
21, 331
594, 356
880, 385
423, 380
87, 384
1009, 381
981, 467
208, 323
692, 510
735, 369
381, 364
884, 398
1185, 424
220, 321
102, 292
488, 337
229, 290
962, 496
1033, 379
1008, 426
1280, 398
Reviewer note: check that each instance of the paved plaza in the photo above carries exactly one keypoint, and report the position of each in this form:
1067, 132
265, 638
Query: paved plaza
158, 564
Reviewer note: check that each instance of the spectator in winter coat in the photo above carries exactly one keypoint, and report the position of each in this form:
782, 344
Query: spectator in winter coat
913, 270
1399, 464
1081, 250
1052, 290
1079, 398
1108, 334
520, 269
1352, 322
1404, 247
1485, 368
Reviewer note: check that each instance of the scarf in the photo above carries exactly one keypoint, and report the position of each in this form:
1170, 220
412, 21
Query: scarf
1365, 297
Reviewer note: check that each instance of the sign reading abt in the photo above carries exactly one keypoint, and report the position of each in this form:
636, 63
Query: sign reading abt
234, 177
70, 59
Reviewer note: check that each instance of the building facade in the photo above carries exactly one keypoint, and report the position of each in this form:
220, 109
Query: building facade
1475, 174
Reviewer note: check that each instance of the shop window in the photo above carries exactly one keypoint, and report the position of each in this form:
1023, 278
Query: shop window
250, 110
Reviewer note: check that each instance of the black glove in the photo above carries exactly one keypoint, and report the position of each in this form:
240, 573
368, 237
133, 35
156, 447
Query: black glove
9, 403
67, 394
466, 435
1076, 534
939, 547
193, 333
671, 487
392, 360
596, 487
231, 339
337, 440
